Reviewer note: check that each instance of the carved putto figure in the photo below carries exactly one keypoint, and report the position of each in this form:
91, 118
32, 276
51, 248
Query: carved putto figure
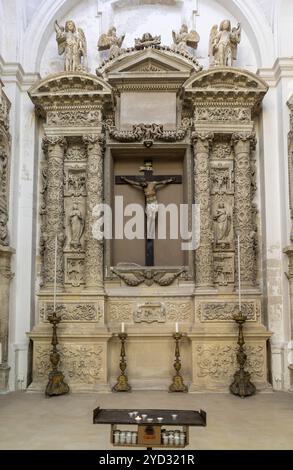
222, 220
111, 41
147, 40
76, 222
72, 43
223, 44
185, 39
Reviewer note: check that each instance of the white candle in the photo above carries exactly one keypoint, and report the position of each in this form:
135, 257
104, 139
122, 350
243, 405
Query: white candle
123, 328
55, 274
177, 327
239, 273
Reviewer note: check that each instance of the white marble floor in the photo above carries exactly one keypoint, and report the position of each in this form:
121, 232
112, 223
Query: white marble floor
31, 421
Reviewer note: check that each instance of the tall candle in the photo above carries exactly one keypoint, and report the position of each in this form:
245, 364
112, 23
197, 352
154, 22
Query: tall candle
55, 274
239, 273
123, 328
177, 327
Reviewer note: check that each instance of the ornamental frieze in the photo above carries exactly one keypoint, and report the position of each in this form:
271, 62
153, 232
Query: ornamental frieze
225, 311
73, 312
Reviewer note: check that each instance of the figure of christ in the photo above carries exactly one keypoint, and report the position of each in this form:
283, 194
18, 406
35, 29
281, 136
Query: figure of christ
150, 191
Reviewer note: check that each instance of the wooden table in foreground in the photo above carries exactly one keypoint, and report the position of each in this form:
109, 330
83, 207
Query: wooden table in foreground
149, 434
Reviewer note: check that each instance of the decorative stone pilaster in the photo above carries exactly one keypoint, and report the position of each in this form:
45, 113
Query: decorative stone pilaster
289, 253
244, 224
5, 278
204, 254
94, 249
54, 147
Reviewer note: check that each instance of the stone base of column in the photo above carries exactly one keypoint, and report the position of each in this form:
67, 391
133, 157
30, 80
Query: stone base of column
4, 378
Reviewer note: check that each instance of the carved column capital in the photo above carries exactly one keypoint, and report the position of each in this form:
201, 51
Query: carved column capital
202, 139
52, 141
92, 139
242, 140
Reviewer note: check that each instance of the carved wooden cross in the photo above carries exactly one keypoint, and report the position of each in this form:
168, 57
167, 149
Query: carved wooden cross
149, 184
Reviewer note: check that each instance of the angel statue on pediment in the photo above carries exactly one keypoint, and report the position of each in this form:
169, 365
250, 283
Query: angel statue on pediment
184, 39
111, 41
224, 43
72, 43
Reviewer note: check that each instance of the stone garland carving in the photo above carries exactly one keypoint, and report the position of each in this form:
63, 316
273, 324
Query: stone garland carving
94, 256
73, 312
204, 254
72, 43
224, 312
219, 361
54, 148
74, 118
82, 364
223, 44
150, 312
222, 114
147, 133
149, 277
244, 224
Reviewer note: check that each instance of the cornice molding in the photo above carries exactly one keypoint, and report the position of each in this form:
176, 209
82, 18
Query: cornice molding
12, 72
282, 68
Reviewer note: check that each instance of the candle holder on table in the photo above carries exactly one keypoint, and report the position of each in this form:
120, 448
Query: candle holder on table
56, 385
241, 386
177, 384
122, 384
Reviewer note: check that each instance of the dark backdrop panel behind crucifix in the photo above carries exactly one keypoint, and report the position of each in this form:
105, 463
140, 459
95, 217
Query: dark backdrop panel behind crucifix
166, 252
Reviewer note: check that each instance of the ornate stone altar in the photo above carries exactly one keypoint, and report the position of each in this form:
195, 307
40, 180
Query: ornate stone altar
5, 251
204, 124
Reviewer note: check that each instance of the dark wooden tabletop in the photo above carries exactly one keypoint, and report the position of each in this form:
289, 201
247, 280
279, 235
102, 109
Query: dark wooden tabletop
184, 418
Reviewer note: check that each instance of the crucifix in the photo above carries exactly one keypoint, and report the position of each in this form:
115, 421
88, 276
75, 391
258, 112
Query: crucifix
149, 184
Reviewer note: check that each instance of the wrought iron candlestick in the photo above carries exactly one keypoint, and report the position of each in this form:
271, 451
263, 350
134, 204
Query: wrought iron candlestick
56, 385
241, 386
122, 384
177, 384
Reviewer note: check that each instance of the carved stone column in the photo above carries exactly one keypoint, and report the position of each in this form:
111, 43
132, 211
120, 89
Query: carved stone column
5, 278
243, 144
204, 254
55, 148
94, 249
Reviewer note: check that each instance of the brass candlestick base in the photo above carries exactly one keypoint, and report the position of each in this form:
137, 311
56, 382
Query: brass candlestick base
122, 384
242, 386
177, 384
56, 385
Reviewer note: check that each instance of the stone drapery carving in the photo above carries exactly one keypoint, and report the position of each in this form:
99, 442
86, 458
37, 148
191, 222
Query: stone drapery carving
223, 44
147, 133
82, 364
136, 277
204, 254
244, 211
184, 39
223, 223
112, 42
94, 256
77, 223
150, 312
147, 40
72, 43
73, 312
219, 361
225, 311
54, 148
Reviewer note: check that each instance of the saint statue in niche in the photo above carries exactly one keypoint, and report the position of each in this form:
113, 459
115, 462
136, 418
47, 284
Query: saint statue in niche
222, 220
185, 39
111, 41
223, 44
152, 207
72, 43
76, 223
